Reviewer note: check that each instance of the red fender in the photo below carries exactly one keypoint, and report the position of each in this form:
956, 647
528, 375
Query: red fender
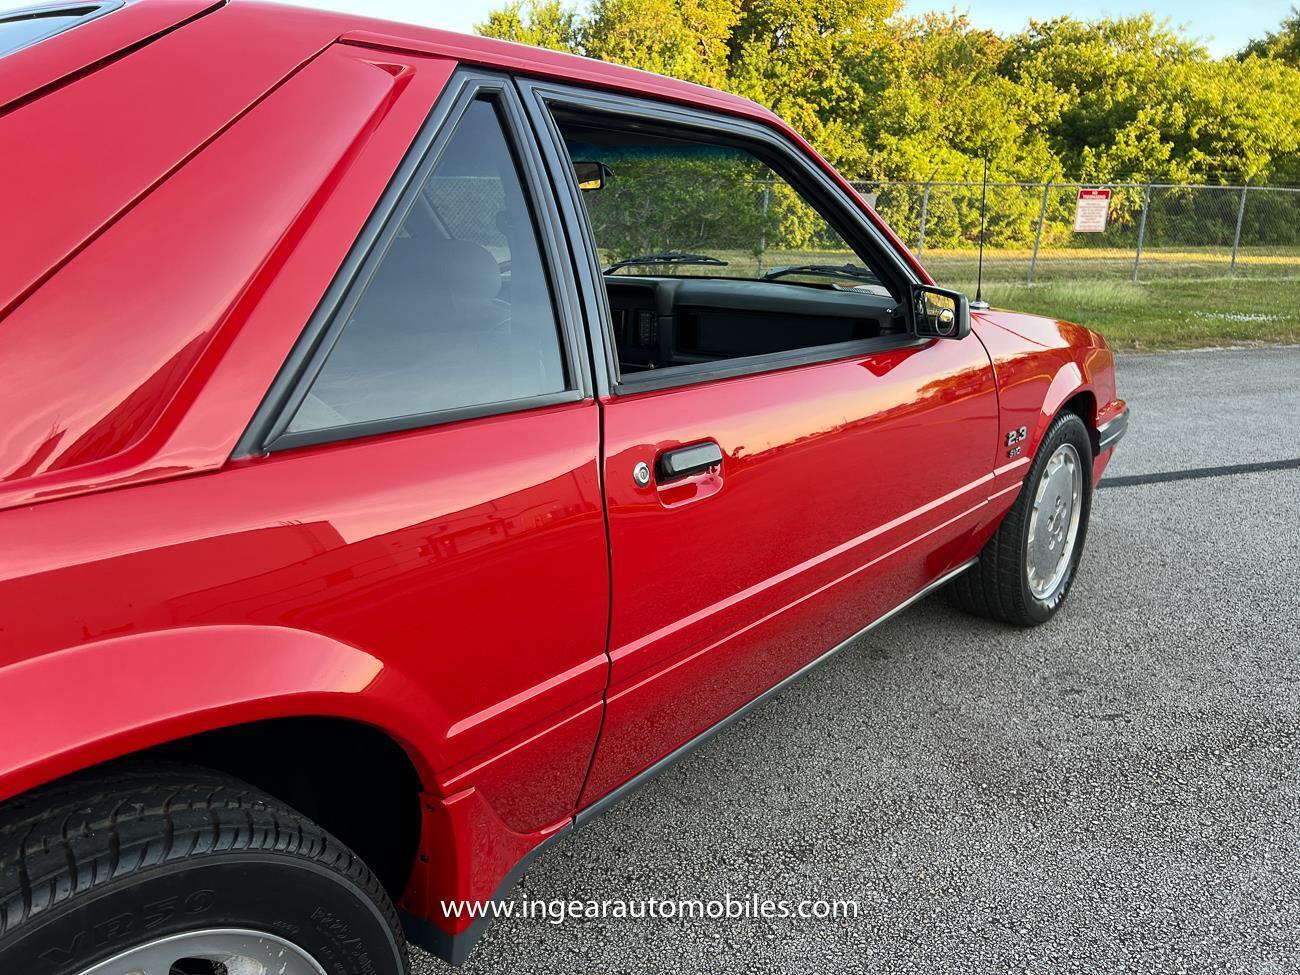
102, 700
1068, 382
1068, 360
89, 704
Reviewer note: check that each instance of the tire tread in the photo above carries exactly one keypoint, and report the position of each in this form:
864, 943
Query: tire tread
77, 835
992, 587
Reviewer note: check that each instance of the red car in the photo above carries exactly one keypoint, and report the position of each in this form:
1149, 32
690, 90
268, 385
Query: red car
411, 443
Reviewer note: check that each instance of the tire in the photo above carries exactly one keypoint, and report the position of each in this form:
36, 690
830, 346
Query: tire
1002, 585
172, 868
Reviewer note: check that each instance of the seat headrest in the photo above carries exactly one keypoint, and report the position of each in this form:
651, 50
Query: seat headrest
442, 269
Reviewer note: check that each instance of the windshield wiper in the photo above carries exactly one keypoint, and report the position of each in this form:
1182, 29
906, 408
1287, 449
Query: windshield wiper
850, 271
666, 257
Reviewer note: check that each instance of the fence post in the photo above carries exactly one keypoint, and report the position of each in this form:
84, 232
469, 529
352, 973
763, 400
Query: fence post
1038, 234
925, 208
1236, 237
1142, 230
762, 236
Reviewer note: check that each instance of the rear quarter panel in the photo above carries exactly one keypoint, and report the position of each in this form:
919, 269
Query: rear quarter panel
151, 588
145, 351
96, 145
138, 363
335, 581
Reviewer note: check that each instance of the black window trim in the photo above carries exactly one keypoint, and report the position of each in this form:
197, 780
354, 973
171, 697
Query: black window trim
767, 144
267, 432
94, 10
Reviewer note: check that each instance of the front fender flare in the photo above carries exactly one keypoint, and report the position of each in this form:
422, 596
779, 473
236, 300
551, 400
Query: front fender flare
1068, 382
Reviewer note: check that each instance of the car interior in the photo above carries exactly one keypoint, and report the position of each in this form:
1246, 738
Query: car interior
661, 322
711, 255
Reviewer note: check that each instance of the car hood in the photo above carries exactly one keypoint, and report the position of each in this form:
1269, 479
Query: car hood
1047, 333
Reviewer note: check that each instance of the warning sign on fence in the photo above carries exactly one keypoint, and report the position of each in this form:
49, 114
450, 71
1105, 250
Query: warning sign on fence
1091, 210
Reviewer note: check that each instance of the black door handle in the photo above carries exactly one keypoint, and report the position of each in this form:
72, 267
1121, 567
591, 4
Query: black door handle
685, 461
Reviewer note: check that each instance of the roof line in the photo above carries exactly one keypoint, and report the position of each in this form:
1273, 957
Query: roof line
540, 62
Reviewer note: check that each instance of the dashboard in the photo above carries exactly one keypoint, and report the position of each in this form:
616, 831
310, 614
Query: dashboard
660, 322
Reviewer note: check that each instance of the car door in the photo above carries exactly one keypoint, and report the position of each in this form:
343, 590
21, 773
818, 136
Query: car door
765, 506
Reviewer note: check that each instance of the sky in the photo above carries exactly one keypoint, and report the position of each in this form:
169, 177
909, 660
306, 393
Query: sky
1222, 26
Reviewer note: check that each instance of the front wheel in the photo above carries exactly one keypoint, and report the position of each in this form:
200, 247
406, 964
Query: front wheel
174, 870
1027, 568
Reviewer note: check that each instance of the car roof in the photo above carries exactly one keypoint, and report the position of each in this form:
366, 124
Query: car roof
30, 70
553, 65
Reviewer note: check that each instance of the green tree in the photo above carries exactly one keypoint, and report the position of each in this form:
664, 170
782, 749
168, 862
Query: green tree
1242, 121
810, 63
687, 39
885, 96
542, 23
1111, 92
1136, 100
1282, 44
945, 106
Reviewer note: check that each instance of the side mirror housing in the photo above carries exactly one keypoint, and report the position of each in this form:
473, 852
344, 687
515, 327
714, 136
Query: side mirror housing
939, 313
591, 175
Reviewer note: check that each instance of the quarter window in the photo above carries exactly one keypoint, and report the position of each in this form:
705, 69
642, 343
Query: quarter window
459, 311
21, 28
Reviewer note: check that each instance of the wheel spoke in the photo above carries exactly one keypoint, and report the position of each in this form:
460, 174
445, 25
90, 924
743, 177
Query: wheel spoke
235, 952
1054, 521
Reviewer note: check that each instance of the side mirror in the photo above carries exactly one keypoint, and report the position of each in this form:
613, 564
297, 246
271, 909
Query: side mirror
937, 313
591, 175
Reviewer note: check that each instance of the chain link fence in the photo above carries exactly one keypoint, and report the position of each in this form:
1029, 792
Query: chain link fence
1153, 230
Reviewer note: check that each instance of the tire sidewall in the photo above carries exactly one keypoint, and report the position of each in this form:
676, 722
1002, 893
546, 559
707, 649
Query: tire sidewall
320, 911
1066, 428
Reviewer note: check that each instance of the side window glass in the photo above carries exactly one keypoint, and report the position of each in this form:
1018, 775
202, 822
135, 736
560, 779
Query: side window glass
28, 25
459, 311
663, 205
711, 254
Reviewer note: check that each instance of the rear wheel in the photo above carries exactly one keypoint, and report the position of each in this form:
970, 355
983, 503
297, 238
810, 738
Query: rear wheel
1027, 568
174, 870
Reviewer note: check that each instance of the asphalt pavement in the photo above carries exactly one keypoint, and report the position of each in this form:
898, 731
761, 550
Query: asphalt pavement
1114, 791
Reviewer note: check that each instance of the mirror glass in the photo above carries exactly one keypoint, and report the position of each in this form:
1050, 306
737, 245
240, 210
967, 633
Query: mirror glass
937, 312
591, 175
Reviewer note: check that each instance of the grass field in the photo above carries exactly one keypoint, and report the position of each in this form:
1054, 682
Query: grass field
1183, 299
1115, 263
1167, 313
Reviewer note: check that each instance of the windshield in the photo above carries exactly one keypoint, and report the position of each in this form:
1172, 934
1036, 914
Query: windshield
675, 207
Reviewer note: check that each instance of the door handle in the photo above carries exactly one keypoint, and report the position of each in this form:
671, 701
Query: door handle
685, 461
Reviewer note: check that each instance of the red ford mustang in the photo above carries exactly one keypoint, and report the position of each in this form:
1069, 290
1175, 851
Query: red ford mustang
410, 443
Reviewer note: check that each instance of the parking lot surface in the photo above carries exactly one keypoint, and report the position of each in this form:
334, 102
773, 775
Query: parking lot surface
1114, 791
